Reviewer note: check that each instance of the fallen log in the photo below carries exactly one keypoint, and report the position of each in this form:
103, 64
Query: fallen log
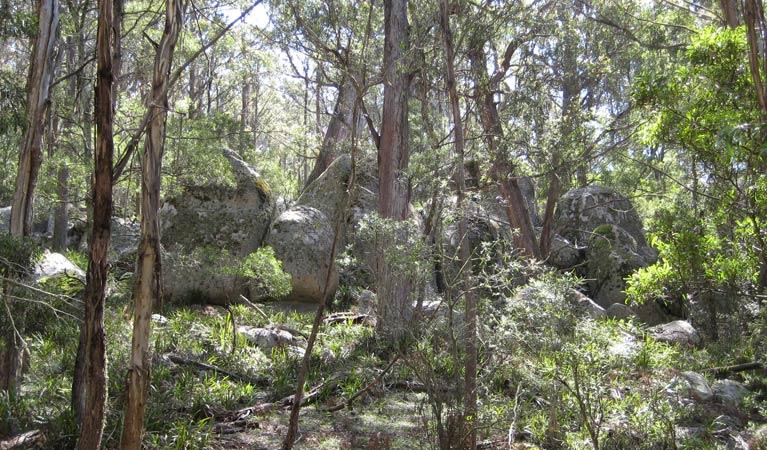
735, 368
30, 439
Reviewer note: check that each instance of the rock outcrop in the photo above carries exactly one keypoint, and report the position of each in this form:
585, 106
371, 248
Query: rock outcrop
678, 332
598, 233
302, 238
208, 230
56, 265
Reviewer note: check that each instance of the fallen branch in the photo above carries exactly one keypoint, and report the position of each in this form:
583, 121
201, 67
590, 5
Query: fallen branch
272, 325
735, 368
349, 317
261, 381
369, 386
33, 438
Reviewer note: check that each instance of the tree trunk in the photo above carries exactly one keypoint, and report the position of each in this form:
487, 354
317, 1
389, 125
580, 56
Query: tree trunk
245, 115
92, 425
468, 422
502, 170
339, 130
61, 217
148, 263
730, 13
38, 87
395, 309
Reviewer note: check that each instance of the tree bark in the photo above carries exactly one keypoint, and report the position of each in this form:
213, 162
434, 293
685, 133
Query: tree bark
38, 87
339, 130
469, 416
395, 309
92, 426
148, 263
502, 170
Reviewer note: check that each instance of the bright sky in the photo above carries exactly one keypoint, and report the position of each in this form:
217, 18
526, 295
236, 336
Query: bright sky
258, 17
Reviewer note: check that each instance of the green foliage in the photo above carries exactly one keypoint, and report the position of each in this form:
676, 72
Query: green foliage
596, 377
264, 271
18, 255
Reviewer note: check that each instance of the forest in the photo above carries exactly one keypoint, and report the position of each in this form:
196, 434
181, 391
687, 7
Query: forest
383, 224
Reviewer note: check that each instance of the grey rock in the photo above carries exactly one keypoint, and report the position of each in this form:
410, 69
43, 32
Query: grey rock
267, 338
302, 239
620, 311
597, 232
612, 255
366, 302
729, 392
159, 320
56, 265
587, 306
580, 211
492, 200
678, 332
124, 240
208, 228
691, 385
563, 254
328, 192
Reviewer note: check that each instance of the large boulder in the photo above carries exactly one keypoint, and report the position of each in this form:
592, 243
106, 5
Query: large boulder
328, 192
598, 233
302, 238
691, 385
678, 332
582, 210
207, 231
612, 255
492, 200
56, 265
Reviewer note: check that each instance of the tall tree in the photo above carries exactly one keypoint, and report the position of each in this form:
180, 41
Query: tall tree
38, 88
148, 264
107, 40
393, 188
503, 170
470, 332
338, 131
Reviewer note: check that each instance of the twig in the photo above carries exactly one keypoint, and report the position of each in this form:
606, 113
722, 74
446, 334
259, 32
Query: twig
735, 368
24, 440
201, 365
369, 386
254, 306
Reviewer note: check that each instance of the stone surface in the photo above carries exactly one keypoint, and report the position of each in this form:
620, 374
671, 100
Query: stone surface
612, 255
587, 306
729, 392
267, 338
123, 244
598, 234
582, 210
328, 192
492, 200
563, 254
620, 311
56, 265
691, 385
302, 239
208, 230
678, 332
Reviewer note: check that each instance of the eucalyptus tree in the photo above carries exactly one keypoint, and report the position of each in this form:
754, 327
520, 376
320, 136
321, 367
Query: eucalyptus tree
148, 261
39, 81
93, 414
338, 38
